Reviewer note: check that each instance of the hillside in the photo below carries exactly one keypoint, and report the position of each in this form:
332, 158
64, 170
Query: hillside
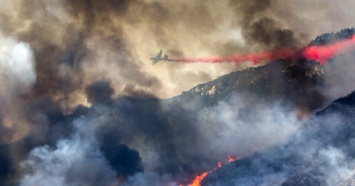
295, 83
174, 135
299, 81
323, 143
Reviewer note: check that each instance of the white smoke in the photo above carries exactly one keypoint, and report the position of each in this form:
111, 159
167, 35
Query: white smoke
337, 168
234, 127
339, 76
17, 69
74, 161
17, 76
320, 152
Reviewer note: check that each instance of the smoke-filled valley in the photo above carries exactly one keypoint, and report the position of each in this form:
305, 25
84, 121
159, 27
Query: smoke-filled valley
81, 104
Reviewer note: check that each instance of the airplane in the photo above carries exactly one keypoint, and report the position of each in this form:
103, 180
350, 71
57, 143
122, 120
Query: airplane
158, 57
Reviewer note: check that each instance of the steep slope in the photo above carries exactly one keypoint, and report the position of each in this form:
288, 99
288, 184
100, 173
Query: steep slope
280, 80
320, 153
299, 82
131, 130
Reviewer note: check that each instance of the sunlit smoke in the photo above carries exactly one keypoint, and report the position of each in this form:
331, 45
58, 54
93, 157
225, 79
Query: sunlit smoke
16, 65
17, 77
66, 54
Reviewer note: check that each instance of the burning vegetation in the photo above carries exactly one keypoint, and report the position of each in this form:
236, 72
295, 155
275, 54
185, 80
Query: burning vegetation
81, 105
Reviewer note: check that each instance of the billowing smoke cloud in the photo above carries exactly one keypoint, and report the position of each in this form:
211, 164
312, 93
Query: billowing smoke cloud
338, 86
243, 128
320, 153
91, 52
73, 161
90, 40
178, 141
260, 28
81, 159
17, 76
140, 142
17, 66
99, 92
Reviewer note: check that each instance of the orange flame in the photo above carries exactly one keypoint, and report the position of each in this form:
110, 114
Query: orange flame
230, 159
198, 179
219, 164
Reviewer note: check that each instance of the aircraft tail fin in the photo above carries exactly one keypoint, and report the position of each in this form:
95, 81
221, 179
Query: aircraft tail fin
166, 57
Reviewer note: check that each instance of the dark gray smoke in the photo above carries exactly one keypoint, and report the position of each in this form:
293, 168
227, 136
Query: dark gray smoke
261, 28
99, 92
86, 38
139, 141
71, 73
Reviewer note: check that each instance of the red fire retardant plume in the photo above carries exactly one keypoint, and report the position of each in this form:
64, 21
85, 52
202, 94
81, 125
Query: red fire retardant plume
311, 53
323, 53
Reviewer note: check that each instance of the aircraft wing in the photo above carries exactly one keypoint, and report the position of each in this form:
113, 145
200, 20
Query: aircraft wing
158, 56
155, 60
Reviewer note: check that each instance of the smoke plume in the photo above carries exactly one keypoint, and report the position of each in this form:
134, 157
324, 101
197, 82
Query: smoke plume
17, 76
73, 76
73, 161
90, 37
319, 153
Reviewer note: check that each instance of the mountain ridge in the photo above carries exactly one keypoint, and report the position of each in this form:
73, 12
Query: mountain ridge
164, 122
